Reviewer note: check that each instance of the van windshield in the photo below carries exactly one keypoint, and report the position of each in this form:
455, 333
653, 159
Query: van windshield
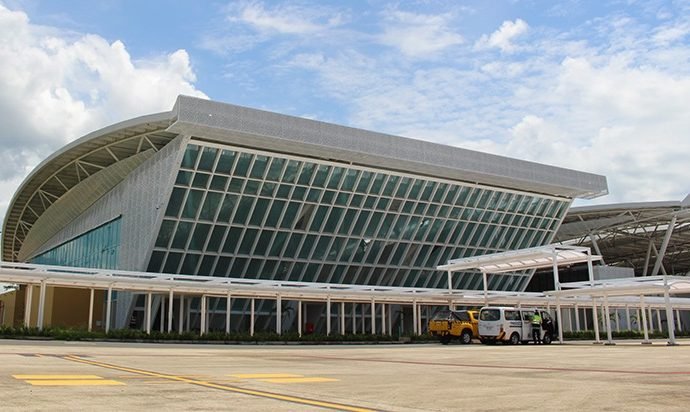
490, 314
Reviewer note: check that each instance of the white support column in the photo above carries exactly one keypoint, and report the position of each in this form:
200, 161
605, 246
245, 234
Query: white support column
328, 316
669, 315
383, 318
91, 310
251, 318
644, 320
299, 318
658, 320
373, 317
486, 288
228, 312
108, 308
639, 313
354, 318
279, 315
618, 319
180, 320
450, 283
419, 319
584, 318
595, 321
202, 316
678, 325
608, 321
627, 317
577, 318
171, 301
147, 315
414, 317
28, 296
41, 305
662, 250
188, 317
342, 318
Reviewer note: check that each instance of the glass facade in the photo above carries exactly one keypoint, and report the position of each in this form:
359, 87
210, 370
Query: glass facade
97, 248
235, 212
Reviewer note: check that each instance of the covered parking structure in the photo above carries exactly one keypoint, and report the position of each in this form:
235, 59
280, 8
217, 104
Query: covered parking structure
615, 293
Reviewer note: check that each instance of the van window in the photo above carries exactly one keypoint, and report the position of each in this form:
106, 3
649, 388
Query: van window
512, 315
490, 314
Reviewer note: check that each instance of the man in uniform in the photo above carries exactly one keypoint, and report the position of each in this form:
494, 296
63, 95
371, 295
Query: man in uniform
536, 327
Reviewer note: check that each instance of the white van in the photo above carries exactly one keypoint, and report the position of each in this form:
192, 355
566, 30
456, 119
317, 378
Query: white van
512, 325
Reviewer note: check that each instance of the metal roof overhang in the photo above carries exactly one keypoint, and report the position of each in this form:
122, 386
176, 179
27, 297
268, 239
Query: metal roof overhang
138, 282
517, 260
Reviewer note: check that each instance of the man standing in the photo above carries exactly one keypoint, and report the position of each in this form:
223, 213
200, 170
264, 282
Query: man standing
536, 327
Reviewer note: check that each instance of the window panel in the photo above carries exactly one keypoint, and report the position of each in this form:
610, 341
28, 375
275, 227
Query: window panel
243, 165
291, 170
348, 221
225, 162
222, 266
377, 184
307, 245
321, 248
259, 212
231, 241
299, 192
181, 235
199, 237
175, 202
206, 267
193, 204
218, 183
189, 264
264, 241
391, 185
216, 239
334, 180
248, 241
208, 159
211, 204
165, 233
259, 167
376, 218
274, 213
321, 175
190, 155
306, 173
156, 261
237, 267
172, 262
350, 179
183, 178
283, 191
319, 217
290, 215
243, 209
278, 243
333, 219
276, 169
364, 181
292, 245
227, 207
313, 195
304, 217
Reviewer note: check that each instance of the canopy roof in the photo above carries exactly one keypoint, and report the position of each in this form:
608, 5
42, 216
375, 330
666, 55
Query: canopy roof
523, 259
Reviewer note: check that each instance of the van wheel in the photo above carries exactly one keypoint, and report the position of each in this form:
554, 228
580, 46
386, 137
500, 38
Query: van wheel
444, 339
514, 339
546, 340
466, 337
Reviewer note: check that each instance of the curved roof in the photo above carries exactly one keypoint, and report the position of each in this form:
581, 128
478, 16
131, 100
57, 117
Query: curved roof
51, 180
98, 153
633, 234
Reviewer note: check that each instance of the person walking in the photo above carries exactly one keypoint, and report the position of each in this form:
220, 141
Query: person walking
536, 327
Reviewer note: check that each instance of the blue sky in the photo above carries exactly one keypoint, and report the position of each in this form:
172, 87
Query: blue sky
600, 86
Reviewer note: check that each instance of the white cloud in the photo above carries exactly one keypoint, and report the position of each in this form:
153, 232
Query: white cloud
284, 18
56, 86
504, 36
418, 35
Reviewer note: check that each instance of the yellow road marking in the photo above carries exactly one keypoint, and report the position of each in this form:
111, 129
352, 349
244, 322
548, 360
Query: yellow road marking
263, 394
73, 382
265, 375
34, 377
298, 380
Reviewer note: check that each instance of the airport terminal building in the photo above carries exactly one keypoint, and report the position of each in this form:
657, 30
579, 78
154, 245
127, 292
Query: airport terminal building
219, 190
